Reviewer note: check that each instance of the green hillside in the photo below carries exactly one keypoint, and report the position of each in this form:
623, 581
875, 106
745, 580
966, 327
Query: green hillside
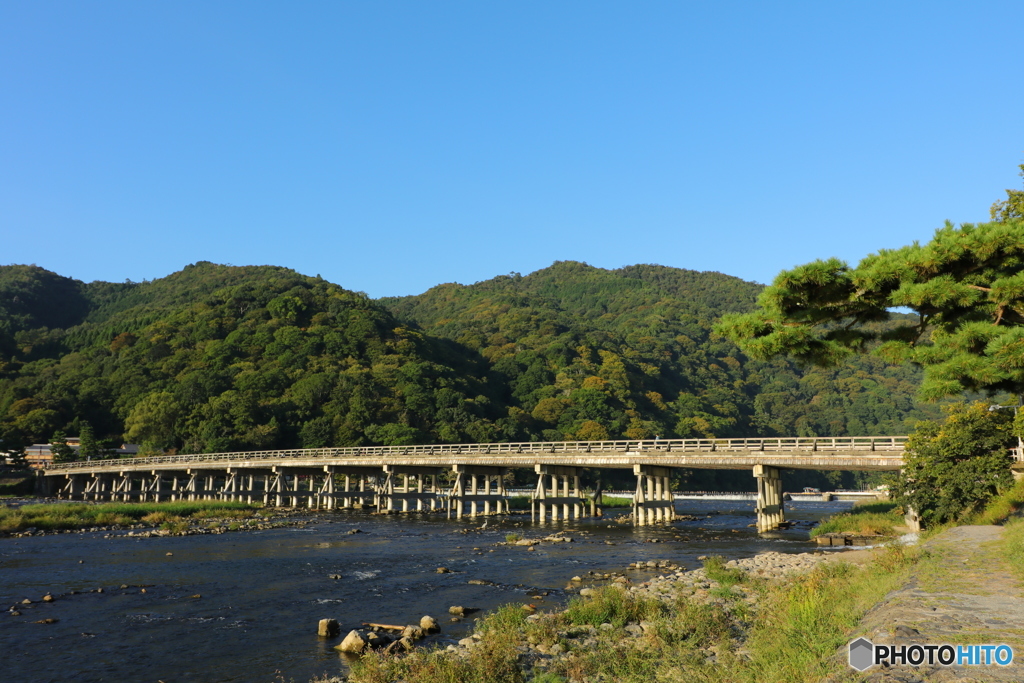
223, 358
586, 353
219, 358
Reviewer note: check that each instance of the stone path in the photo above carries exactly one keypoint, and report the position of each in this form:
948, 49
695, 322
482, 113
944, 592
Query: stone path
968, 597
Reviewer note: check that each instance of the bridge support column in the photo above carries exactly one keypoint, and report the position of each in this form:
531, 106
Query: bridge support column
230, 490
104, 484
472, 474
413, 487
325, 496
152, 486
73, 488
770, 508
550, 479
653, 501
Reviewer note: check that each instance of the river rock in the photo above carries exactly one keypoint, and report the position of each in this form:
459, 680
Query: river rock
47, 598
399, 646
353, 642
429, 624
480, 582
457, 610
443, 570
412, 632
587, 592
527, 541
377, 640
328, 628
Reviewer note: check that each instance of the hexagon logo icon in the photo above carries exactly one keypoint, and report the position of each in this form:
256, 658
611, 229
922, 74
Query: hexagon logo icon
862, 654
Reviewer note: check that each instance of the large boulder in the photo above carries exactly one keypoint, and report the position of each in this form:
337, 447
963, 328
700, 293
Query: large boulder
429, 624
328, 628
354, 642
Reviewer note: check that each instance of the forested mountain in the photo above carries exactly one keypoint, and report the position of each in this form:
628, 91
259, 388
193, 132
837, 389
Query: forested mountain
222, 358
586, 353
219, 358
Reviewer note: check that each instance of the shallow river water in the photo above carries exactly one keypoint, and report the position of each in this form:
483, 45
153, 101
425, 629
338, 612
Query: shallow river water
244, 606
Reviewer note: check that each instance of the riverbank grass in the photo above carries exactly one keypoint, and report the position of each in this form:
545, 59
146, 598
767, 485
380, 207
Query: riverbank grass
616, 634
57, 516
1006, 505
869, 519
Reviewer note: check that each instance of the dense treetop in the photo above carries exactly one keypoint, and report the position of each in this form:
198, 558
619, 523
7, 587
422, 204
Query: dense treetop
220, 358
965, 287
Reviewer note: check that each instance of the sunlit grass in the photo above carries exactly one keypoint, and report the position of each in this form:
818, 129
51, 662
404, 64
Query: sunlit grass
868, 519
77, 515
1004, 506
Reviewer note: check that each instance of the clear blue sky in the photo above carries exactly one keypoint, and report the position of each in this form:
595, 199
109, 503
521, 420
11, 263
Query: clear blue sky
392, 146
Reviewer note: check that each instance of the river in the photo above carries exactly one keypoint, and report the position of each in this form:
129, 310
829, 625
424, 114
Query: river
244, 606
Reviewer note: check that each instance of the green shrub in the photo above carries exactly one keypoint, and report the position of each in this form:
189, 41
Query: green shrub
716, 570
611, 605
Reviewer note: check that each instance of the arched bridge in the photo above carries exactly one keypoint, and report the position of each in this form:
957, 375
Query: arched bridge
406, 478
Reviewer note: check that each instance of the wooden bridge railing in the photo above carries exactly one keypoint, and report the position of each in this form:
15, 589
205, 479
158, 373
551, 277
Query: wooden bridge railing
892, 444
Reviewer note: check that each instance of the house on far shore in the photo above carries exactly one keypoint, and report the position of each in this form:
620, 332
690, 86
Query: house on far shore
40, 455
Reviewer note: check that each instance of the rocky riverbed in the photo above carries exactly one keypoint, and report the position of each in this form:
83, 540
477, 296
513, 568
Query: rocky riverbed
316, 567
549, 641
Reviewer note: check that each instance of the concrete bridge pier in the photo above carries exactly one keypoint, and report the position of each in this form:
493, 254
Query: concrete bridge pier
653, 501
179, 484
479, 491
229, 492
407, 484
151, 486
199, 485
547, 493
325, 496
359, 485
74, 487
98, 489
770, 508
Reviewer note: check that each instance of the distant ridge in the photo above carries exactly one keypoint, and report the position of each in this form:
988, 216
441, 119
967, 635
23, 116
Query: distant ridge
216, 358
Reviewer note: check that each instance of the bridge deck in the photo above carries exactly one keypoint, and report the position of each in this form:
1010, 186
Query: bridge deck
836, 453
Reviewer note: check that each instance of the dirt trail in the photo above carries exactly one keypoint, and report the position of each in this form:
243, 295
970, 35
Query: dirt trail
968, 597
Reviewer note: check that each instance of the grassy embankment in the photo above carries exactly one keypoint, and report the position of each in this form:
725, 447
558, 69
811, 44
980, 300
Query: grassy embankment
16, 484
1008, 510
172, 516
868, 519
791, 636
